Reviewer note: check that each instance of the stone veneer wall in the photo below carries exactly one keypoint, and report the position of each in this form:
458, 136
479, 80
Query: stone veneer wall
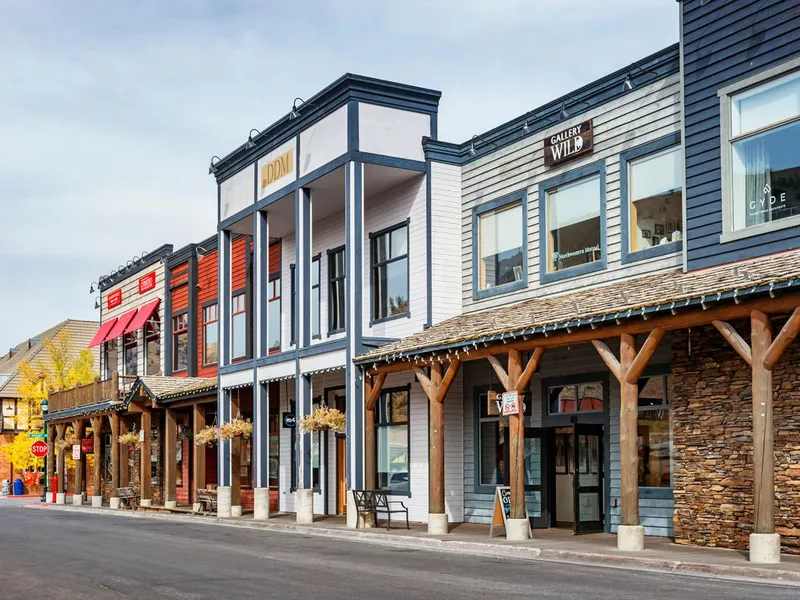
713, 443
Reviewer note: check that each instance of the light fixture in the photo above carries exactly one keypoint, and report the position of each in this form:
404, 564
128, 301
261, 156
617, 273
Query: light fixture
200, 251
472, 146
563, 114
293, 114
91, 288
627, 85
212, 166
250, 143
526, 128
96, 303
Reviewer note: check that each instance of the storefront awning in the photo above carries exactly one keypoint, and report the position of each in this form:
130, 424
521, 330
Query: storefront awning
102, 333
121, 325
145, 312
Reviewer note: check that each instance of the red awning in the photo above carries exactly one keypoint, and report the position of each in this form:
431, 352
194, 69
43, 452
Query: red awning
145, 312
102, 333
122, 323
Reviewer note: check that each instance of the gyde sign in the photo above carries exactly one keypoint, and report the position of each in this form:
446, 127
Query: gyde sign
569, 143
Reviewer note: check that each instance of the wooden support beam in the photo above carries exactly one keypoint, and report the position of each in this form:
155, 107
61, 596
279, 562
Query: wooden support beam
115, 466
763, 432
516, 429
644, 355
77, 428
529, 370
735, 340
499, 370
369, 433
145, 468
436, 445
61, 429
447, 380
425, 383
629, 435
785, 337
170, 455
124, 456
608, 357
199, 463
97, 427
236, 471
375, 392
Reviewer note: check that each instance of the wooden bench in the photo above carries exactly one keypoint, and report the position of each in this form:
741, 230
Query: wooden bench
128, 498
373, 502
207, 499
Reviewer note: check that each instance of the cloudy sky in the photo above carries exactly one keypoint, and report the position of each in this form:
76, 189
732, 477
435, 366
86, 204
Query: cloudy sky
110, 111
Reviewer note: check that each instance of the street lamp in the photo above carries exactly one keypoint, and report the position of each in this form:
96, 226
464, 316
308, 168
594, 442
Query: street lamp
45, 405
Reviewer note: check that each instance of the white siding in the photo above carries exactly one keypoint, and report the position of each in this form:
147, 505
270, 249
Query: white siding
326, 235
643, 115
445, 237
454, 451
286, 499
391, 131
237, 192
323, 141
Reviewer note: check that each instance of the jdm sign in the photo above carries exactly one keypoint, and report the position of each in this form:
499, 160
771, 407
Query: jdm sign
510, 403
114, 298
147, 282
40, 449
569, 143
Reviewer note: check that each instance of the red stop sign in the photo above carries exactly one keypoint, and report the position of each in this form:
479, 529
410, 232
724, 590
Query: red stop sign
40, 449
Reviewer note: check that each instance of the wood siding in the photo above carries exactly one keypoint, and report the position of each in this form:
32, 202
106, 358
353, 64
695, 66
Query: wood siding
724, 42
207, 291
239, 263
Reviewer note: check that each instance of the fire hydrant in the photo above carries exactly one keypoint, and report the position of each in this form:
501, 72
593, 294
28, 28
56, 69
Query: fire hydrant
54, 487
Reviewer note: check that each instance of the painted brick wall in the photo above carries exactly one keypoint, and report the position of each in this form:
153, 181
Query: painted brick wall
713, 443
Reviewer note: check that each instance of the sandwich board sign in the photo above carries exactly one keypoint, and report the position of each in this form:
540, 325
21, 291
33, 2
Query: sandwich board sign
502, 509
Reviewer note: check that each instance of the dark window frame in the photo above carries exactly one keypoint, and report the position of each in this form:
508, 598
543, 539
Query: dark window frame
237, 294
152, 332
318, 288
333, 281
205, 306
176, 334
127, 344
375, 265
275, 298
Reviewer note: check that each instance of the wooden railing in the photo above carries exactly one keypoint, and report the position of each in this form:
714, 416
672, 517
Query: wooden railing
98, 391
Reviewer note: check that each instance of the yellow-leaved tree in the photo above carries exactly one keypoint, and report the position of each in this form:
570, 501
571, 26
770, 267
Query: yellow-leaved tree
62, 369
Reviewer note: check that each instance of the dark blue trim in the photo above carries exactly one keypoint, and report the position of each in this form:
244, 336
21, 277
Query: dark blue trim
668, 141
595, 168
375, 342
352, 126
305, 383
303, 258
166, 326
262, 248
261, 399
428, 244
224, 295
520, 196
358, 326
371, 158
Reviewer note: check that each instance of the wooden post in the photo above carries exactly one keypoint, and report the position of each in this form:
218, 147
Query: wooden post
199, 466
170, 457
516, 431
77, 428
629, 434
115, 469
436, 445
61, 429
97, 426
124, 470
763, 443
369, 436
145, 468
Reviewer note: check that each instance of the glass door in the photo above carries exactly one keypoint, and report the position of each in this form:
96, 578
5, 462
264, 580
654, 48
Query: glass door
536, 476
588, 478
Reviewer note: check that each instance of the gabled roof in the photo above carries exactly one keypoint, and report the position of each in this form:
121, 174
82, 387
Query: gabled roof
81, 333
639, 297
161, 388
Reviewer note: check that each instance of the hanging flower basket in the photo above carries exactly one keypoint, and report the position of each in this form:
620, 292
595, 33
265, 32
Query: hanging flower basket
131, 439
63, 444
323, 419
207, 436
238, 427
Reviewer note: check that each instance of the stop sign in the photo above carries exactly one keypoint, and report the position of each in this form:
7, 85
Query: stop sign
39, 449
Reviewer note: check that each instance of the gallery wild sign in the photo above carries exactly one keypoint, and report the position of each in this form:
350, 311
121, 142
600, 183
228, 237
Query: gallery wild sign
569, 143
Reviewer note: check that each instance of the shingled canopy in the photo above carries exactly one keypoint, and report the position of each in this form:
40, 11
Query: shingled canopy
648, 305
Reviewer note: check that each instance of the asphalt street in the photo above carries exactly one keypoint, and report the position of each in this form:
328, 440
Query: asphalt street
53, 554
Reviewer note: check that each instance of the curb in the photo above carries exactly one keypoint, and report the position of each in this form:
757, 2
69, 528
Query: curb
738, 572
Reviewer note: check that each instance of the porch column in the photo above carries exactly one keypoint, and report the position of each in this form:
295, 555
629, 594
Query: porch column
97, 426
223, 396
199, 452
170, 459
224, 456
50, 460
61, 429
236, 461
145, 468
124, 467
304, 498
261, 434
77, 490
115, 468
372, 391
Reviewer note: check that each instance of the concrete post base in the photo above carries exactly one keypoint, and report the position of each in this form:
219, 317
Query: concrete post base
437, 524
765, 548
196, 507
518, 530
97, 501
61, 498
146, 502
114, 502
224, 502
170, 504
77, 500
261, 504
236, 511
352, 515
630, 538
305, 506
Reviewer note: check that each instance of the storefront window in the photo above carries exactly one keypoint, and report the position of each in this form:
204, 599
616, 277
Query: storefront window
656, 199
390, 273
573, 224
110, 357
336, 273
180, 342
275, 426
131, 354
500, 240
568, 399
391, 438
107, 457
655, 435
238, 326
765, 164
153, 346
210, 335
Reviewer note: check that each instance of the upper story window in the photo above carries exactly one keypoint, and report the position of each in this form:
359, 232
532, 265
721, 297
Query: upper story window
390, 273
274, 314
131, 353
210, 335
239, 326
152, 346
180, 342
110, 357
499, 234
760, 161
336, 301
572, 223
315, 299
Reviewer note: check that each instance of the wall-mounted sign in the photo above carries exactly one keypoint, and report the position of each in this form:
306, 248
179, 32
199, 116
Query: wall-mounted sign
510, 403
87, 445
569, 143
277, 168
289, 420
114, 298
147, 282
76, 451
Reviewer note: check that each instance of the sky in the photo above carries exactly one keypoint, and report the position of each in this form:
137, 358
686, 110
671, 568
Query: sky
111, 111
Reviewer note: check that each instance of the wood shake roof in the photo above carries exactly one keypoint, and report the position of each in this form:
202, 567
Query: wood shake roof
163, 388
635, 297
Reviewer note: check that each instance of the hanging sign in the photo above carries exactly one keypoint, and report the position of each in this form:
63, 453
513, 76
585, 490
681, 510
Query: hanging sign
502, 509
114, 298
147, 282
289, 420
510, 403
569, 143
76, 451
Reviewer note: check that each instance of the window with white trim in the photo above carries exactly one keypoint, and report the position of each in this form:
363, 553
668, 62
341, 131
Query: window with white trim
501, 246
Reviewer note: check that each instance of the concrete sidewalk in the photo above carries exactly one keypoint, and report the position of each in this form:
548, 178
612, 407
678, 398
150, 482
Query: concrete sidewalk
661, 554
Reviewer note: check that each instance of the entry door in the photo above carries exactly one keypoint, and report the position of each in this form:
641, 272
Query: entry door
341, 481
588, 478
536, 476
